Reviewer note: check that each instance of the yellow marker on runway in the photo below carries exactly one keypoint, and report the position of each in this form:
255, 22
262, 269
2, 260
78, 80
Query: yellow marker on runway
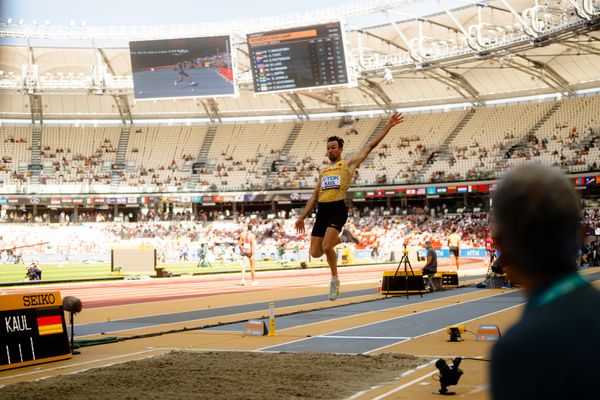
455, 331
271, 319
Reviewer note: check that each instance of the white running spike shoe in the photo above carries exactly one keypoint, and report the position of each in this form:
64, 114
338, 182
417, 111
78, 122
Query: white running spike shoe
334, 288
347, 237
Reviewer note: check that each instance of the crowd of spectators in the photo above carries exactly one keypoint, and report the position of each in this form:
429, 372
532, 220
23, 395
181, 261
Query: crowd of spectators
380, 230
563, 148
405, 159
63, 166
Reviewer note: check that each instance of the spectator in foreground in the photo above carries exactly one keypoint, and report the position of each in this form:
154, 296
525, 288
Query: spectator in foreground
538, 229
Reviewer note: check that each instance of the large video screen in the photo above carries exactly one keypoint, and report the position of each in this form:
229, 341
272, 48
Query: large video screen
297, 58
188, 67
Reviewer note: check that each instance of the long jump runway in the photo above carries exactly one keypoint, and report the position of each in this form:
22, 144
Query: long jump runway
370, 337
357, 340
171, 318
361, 339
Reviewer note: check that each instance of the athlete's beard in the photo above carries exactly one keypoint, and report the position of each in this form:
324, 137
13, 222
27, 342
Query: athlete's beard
332, 158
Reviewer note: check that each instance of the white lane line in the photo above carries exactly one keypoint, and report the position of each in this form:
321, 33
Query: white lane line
402, 375
383, 396
364, 337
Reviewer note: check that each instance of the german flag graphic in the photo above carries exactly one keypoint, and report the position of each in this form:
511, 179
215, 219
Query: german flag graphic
49, 325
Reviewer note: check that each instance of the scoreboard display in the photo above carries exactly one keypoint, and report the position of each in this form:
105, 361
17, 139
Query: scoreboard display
32, 330
304, 57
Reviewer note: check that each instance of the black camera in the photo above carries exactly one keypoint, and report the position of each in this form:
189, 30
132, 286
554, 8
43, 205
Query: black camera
449, 375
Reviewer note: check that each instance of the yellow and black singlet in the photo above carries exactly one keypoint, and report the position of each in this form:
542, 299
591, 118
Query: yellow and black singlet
334, 181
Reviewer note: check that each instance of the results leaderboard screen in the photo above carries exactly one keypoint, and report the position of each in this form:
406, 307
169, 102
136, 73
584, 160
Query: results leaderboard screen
297, 58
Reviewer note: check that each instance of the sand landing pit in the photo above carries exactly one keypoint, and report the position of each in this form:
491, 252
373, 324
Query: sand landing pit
223, 375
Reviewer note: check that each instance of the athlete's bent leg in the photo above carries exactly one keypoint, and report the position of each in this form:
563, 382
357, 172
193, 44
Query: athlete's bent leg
316, 246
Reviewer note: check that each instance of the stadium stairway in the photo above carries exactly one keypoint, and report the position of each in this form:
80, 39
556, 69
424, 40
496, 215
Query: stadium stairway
285, 151
119, 164
202, 159
444, 152
36, 138
523, 143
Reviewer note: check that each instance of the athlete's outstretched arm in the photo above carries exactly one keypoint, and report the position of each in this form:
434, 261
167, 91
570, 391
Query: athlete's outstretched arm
359, 157
310, 205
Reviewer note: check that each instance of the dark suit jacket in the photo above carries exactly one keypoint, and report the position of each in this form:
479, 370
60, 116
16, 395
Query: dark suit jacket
553, 352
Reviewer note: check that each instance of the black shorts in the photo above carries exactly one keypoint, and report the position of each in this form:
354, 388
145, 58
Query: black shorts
330, 215
454, 250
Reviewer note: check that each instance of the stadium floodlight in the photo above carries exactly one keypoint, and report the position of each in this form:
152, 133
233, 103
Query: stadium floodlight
21, 21
9, 20
71, 23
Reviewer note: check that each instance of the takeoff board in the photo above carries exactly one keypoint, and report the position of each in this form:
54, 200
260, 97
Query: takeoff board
32, 329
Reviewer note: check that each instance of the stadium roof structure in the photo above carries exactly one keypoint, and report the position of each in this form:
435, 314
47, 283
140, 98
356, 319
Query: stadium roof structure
465, 52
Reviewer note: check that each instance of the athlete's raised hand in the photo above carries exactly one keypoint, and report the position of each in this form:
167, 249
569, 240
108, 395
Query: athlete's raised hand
395, 119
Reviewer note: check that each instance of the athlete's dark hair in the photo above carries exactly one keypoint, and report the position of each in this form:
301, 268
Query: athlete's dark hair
249, 227
339, 141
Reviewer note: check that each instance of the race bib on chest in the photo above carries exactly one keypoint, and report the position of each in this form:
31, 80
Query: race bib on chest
330, 182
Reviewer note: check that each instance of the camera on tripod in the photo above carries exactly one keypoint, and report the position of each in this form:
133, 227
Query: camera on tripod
403, 282
404, 249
